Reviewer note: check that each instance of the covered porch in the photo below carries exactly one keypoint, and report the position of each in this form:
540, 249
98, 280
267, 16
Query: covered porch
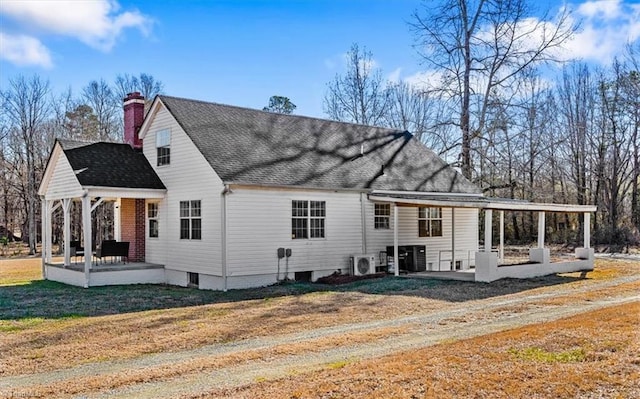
95, 174
486, 264
105, 262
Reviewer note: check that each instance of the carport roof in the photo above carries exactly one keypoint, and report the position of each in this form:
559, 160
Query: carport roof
456, 200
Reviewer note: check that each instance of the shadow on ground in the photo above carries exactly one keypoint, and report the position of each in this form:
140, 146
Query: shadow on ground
47, 299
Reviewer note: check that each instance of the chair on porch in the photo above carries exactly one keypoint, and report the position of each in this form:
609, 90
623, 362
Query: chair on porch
113, 248
76, 250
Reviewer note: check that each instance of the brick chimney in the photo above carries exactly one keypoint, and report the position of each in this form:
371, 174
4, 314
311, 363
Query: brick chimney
133, 118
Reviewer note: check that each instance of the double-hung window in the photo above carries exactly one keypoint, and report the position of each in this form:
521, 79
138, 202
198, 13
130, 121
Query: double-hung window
429, 222
152, 217
163, 147
190, 220
308, 219
381, 214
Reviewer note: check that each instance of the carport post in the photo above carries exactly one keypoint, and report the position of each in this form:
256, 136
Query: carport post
501, 253
488, 216
587, 230
396, 262
541, 229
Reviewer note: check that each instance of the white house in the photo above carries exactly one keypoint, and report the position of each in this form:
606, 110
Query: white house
223, 197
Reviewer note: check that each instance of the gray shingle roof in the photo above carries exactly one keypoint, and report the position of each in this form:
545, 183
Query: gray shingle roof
255, 147
104, 164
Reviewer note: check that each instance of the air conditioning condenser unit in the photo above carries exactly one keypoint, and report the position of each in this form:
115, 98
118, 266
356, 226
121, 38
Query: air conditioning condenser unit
363, 264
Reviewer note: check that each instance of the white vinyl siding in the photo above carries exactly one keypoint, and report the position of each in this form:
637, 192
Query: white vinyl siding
254, 235
63, 182
466, 231
190, 177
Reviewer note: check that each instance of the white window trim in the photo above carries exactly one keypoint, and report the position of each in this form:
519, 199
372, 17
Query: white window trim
388, 216
156, 218
163, 145
428, 218
309, 217
190, 218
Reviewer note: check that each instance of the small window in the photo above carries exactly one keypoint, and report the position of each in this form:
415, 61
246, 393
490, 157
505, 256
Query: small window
430, 222
193, 280
308, 219
163, 147
382, 212
190, 220
152, 217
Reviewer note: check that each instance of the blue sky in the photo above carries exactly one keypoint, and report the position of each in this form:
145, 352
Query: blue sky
243, 52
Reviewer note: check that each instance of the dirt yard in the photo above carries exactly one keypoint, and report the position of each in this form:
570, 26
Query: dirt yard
570, 335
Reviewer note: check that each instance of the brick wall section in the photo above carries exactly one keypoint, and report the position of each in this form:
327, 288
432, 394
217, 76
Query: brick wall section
133, 118
139, 247
132, 227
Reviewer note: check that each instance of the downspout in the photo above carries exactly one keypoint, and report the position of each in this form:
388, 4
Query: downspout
225, 191
363, 222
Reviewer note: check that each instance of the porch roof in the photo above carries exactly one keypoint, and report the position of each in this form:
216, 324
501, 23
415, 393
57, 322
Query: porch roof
457, 200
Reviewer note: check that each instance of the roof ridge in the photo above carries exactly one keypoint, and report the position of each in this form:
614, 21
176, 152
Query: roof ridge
284, 115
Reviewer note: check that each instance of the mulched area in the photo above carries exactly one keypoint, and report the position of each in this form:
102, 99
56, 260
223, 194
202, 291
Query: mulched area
338, 278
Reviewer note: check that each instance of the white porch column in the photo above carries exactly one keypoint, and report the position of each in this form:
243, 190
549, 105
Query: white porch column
541, 229
43, 229
49, 234
488, 219
86, 230
453, 239
66, 207
587, 230
117, 222
501, 253
396, 261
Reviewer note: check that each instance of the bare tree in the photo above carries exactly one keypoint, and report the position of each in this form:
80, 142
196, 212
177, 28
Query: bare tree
409, 109
359, 96
632, 95
480, 47
106, 108
26, 104
146, 84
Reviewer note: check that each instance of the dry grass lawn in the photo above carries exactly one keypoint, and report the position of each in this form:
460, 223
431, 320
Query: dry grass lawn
594, 355
46, 326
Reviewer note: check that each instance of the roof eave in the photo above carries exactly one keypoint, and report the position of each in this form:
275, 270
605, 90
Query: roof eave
125, 192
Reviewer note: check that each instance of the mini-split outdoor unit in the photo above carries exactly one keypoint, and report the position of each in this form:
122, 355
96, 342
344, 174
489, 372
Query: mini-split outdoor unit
363, 264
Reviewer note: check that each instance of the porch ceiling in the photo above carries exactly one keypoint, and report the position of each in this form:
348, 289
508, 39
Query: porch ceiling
455, 200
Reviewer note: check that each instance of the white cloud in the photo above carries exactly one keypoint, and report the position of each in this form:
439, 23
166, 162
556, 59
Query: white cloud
24, 50
606, 27
606, 9
96, 23
394, 76
425, 80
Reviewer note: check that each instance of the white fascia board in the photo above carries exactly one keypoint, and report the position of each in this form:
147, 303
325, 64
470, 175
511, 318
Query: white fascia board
539, 206
429, 202
389, 192
257, 186
51, 165
157, 103
124, 192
